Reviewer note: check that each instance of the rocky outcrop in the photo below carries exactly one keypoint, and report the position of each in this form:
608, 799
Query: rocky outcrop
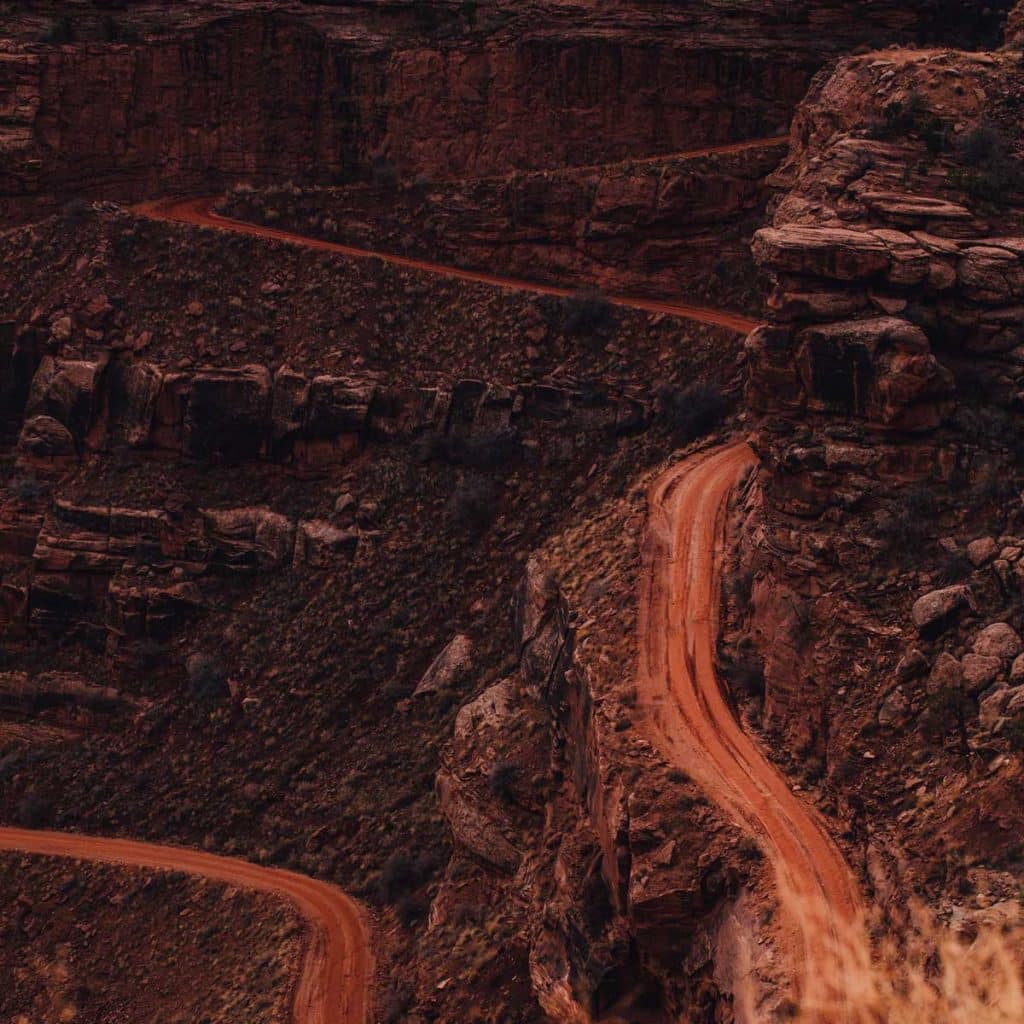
454, 661
241, 414
664, 227
20, 692
133, 573
609, 841
194, 101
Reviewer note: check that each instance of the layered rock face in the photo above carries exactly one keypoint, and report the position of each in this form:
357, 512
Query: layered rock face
626, 884
268, 94
127, 573
882, 567
663, 227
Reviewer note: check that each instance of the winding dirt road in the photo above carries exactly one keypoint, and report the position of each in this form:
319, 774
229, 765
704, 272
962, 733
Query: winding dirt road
691, 722
201, 213
337, 967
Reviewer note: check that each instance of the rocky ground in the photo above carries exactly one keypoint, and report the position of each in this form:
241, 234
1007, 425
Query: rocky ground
333, 565
100, 945
663, 227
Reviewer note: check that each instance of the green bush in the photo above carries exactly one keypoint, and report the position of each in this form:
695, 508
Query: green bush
989, 171
587, 312
60, 31
692, 412
207, 678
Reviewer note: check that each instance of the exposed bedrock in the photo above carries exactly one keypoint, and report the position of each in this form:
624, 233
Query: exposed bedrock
245, 413
667, 227
629, 876
891, 373
272, 94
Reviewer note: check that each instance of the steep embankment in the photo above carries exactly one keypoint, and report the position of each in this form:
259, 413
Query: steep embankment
337, 967
692, 723
200, 212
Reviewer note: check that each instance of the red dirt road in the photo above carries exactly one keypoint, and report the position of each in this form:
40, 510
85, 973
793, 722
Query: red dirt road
337, 967
200, 212
691, 722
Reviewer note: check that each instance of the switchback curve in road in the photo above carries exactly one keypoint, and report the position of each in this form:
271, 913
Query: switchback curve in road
200, 212
690, 721
337, 966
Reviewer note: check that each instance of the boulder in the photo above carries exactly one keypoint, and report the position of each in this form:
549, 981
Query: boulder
835, 253
471, 827
980, 671
1014, 701
982, 551
228, 413
451, 665
911, 665
288, 407
134, 388
338, 406
990, 709
43, 437
935, 611
489, 712
320, 544
154, 607
67, 391
999, 640
540, 628
947, 674
881, 369
990, 274
249, 537
773, 382
895, 709
1017, 671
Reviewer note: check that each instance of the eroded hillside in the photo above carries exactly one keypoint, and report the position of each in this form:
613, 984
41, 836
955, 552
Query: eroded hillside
548, 473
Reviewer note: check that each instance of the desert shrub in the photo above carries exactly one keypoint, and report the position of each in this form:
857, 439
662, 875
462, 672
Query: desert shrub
501, 779
909, 520
34, 811
473, 505
989, 171
693, 411
910, 116
150, 654
749, 850
207, 679
28, 488
61, 30
947, 710
1013, 732
410, 909
402, 874
396, 1002
384, 174
115, 31
487, 452
744, 669
586, 312
899, 118
952, 567
77, 210
396, 877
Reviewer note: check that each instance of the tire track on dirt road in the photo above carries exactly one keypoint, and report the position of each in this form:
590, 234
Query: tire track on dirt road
337, 965
691, 722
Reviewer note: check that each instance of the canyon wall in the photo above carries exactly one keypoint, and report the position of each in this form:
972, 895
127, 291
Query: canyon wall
269, 95
882, 544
